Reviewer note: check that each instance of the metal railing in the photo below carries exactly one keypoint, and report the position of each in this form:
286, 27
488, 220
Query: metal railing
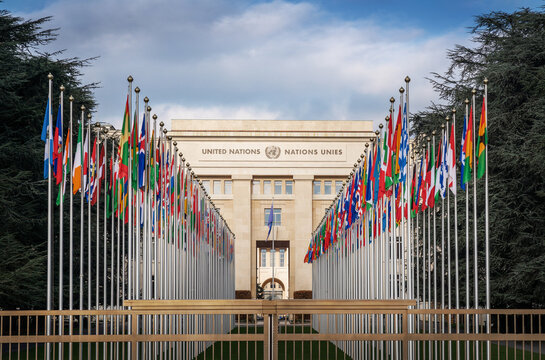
278, 329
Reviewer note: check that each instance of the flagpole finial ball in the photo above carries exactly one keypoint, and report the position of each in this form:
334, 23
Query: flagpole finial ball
401, 90
183, 158
387, 118
380, 126
473, 91
174, 142
50, 76
82, 107
362, 156
485, 81
148, 108
71, 98
130, 79
433, 133
407, 79
429, 139
165, 131
187, 164
453, 110
161, 124
447, 118
359, 159
146, 99
154, 117
89, 116
61, 88
355, 165
377, 132
169, 138
443, 126
392, 100
466, 101
137, 90
412, 157
366, 145
180, 155
192, 173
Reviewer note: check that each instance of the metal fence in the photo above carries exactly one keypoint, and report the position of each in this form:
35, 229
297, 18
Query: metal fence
278, 329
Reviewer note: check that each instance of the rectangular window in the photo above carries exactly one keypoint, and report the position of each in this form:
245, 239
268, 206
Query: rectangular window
217, 186
327, 187
399, 249
228, 187
206, 185
272, 257
282, 257
277, 217
263, 257
317, 187
267, 187
255, 187
278, 186
338, 186
289, 187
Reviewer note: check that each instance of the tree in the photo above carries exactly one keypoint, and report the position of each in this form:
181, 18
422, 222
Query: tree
23, 191
509, 50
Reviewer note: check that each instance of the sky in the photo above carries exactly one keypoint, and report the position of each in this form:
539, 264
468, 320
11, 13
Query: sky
242, 59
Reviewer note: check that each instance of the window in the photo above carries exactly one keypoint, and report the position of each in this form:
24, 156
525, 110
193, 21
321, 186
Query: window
317, 187
289, 187
206, 185
267, 187
255, 187
399, 245
217, 187
263, 257
278, 186
338, 186
228, 187
272, 257
277, 216
327, 187
282, 257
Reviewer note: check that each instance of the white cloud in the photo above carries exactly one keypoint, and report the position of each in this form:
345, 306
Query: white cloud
217, 59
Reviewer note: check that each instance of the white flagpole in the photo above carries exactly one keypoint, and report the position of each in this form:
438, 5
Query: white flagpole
81, 237
456, 270
105, 262
97, 245
61, 225
466, 168
71, 227
475, 244
49, 300
486, 228
88, 149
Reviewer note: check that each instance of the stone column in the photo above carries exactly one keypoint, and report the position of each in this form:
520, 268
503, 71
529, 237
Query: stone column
301, 273
242, 227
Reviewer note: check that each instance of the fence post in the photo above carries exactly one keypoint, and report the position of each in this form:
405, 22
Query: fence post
404, 329
266, 336
134, 334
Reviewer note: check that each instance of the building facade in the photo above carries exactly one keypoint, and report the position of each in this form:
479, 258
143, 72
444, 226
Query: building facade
295, 167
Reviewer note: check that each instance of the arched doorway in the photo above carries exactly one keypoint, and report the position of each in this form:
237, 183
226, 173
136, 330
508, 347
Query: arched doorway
276, 289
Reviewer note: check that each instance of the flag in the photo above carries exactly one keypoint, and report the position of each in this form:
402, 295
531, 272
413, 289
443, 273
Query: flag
443, 176
46, 137
482, 140
270, 221
65, 167
142, 155
451, 161
56, 159
430, 179
76, 171
463, 156
124, 143
92, 174
404, 147
468, 148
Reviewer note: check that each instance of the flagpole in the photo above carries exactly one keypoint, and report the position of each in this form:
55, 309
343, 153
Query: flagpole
466, 168
456, 270
71, 227
49, 299
486, 228
61, 224
105, 215
449, 285
82, 219
475, 245
96, 180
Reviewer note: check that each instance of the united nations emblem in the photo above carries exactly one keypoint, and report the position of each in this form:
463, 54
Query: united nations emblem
272, 152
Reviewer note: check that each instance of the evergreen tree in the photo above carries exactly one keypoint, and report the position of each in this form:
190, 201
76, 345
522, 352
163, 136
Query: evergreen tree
23, 191
509, 50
